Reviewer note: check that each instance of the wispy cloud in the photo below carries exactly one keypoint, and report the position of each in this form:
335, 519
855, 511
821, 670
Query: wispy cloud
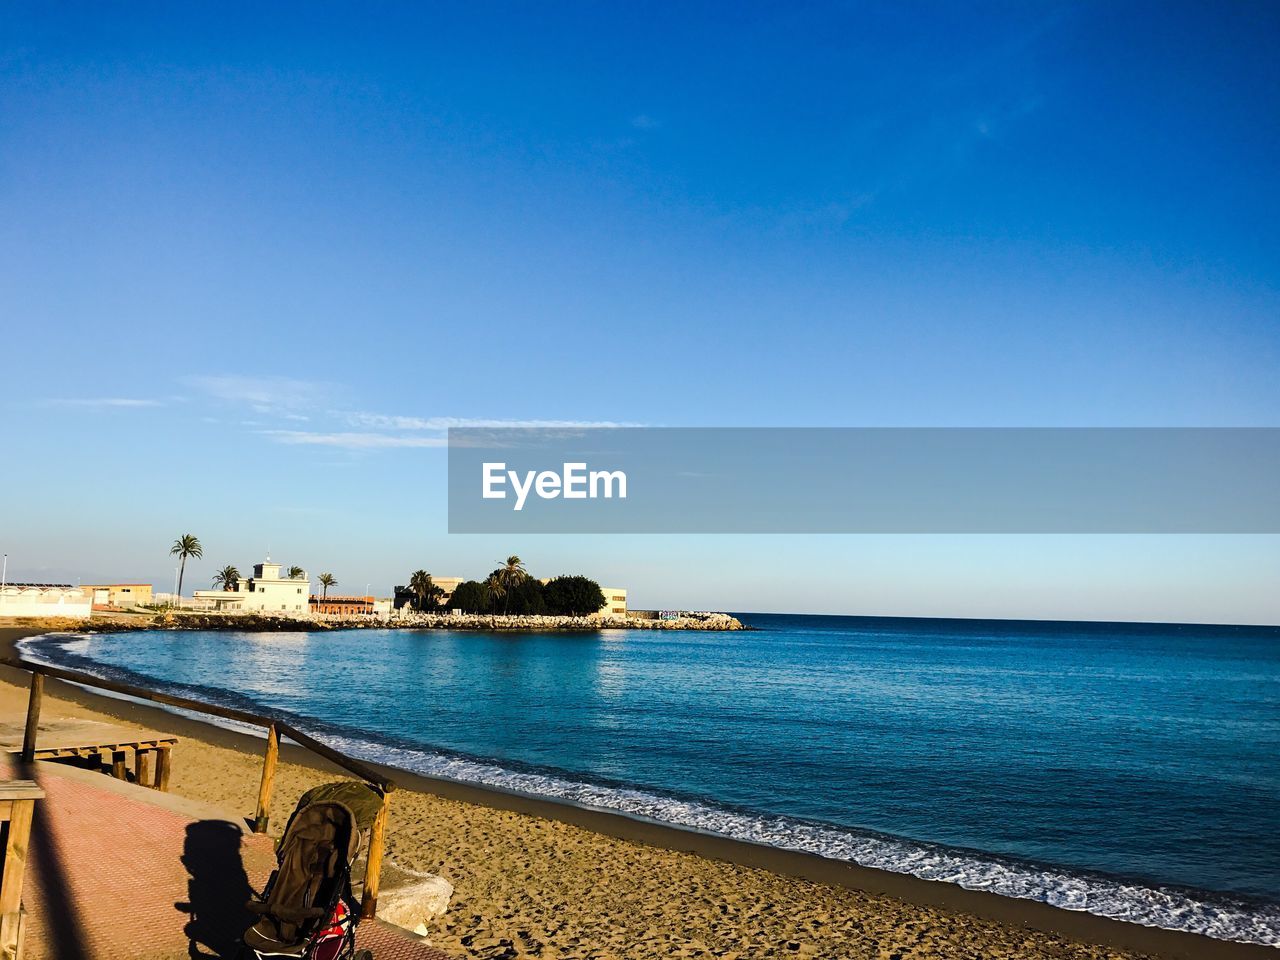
352, 440
642, 121
104, 403
411, 432
283, 398
263, 394
381, 421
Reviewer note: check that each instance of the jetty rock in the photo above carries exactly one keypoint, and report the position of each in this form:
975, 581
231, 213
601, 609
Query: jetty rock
444, 620
546, 623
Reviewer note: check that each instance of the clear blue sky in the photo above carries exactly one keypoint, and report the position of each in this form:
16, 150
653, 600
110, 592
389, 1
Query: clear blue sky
252, 260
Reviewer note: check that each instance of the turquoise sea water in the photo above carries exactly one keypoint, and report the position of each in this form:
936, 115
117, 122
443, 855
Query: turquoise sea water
1128, 770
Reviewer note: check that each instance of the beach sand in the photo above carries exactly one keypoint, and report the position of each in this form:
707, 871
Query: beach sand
529, 884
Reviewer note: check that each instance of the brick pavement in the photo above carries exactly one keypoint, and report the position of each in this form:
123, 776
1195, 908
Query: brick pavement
116, 873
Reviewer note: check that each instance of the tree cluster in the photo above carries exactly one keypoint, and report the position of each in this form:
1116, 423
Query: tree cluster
570, 596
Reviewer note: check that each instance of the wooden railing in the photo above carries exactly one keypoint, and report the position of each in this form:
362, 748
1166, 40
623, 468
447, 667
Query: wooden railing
275, 728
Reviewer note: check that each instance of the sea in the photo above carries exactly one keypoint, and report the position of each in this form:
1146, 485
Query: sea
1127, 770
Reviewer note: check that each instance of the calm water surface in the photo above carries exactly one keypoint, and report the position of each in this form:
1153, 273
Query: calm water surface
1132, 771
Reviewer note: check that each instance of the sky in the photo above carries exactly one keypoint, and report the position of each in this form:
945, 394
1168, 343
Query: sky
254, 261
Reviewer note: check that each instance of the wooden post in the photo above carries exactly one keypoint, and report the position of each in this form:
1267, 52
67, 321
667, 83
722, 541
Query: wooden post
33, 718
268, 779
117, 765
164, 754
373, 867
15, 863
142, 775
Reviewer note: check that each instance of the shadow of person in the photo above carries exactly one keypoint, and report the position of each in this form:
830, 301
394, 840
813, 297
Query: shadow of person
217, 890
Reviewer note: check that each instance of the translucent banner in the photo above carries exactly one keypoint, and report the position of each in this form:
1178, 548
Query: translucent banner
864, 480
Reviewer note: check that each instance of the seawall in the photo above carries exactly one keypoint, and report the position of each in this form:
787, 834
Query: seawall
195, 620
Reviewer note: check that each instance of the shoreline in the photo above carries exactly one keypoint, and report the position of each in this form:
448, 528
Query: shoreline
950, 899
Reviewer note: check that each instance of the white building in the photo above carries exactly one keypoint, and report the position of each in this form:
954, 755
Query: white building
615, 602
265, 592
44, 600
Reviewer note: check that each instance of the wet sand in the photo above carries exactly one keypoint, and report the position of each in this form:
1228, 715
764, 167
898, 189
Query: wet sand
534, 878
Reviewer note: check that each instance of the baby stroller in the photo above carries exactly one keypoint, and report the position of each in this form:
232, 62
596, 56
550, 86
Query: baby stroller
307, 909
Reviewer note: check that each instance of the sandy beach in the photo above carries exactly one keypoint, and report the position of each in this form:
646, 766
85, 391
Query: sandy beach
537, 879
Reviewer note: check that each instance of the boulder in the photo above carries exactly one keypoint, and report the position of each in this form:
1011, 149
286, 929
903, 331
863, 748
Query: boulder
415, 905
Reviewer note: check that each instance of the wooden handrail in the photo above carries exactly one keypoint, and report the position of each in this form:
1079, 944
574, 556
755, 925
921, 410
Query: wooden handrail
128, 689
268, 779
361, 770
384, 784
275, 729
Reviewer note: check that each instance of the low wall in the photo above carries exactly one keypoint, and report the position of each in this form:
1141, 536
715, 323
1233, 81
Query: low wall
20, 606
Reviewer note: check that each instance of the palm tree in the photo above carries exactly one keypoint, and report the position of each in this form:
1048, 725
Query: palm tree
296, 573
424, 588
226, 578
187, 545
511, 575
327, 580
493, 585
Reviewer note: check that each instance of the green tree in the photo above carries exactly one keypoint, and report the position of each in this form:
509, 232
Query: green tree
573, 596
425, 591
470, 596
296, 573
327, 580
496, 589
226, 578
527, 600
511, 575
187, 545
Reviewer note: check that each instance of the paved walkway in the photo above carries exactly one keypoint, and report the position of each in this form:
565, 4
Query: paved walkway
118, 872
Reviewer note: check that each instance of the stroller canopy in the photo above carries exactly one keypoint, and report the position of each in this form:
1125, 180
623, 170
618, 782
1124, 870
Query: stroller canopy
361, 799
